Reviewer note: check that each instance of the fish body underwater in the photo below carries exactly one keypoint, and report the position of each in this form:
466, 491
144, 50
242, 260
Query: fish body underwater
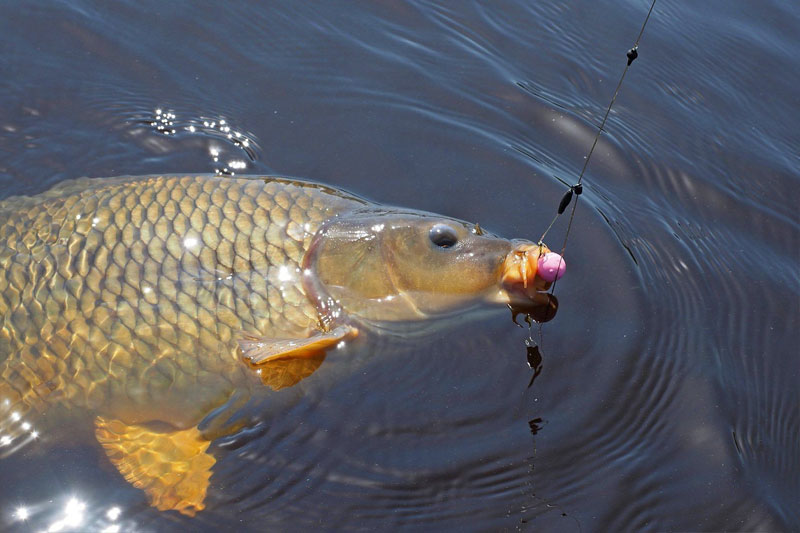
150, 301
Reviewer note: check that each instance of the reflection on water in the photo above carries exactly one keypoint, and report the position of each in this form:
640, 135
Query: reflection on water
667, 397
167, 123
69, 514
15, 431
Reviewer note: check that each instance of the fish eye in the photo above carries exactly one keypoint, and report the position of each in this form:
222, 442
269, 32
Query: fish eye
443, 236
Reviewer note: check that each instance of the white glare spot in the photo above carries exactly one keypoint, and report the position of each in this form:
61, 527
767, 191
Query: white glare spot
95, 220
237, 164
15, 416
35, 434
77, 217
22, 513
214, 152
73, 513
113, 528
26, 426
147, 290
5, 440
222, 122
377, 227
190, 242
284, 274
113, 513
307, 272
340, 345
158, 111
6, 402
191, 128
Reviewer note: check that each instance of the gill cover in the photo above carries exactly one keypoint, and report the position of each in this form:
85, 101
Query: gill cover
391, 265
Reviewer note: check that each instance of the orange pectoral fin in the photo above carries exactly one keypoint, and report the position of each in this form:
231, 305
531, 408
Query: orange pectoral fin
282, 363
173, 469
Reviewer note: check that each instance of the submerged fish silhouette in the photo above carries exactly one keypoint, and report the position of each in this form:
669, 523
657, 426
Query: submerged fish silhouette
148, 301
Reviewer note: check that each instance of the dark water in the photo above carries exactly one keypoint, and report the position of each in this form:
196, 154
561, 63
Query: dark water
668, 398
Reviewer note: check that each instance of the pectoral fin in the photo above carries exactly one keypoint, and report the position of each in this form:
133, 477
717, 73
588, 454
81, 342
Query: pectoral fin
284, 362
173, 469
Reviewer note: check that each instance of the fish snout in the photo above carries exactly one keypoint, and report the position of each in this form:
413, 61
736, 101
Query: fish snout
527, 272
533, 266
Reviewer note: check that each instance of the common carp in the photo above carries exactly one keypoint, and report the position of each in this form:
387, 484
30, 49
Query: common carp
148, 301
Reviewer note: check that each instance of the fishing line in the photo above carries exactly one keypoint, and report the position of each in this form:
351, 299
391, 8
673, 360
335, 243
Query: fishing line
577, 189
533, 353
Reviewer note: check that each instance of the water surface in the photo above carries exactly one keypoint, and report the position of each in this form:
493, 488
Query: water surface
668, 397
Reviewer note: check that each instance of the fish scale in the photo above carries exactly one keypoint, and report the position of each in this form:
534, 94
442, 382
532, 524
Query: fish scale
125, 295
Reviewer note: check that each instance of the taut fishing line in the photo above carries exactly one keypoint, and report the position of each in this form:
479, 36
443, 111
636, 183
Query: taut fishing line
533, 352
576, 190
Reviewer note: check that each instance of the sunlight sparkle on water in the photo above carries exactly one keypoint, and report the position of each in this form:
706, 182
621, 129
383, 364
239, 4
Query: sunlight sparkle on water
73, 516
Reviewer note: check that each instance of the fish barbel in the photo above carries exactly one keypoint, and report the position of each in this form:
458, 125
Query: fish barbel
150, 300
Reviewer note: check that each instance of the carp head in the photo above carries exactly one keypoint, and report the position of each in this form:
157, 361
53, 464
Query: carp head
383, 265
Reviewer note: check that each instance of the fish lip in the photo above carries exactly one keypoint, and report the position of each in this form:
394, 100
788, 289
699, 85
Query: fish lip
522, 289
519, 271
541, 308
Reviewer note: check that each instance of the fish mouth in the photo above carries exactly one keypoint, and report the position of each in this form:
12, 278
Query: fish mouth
522, 288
